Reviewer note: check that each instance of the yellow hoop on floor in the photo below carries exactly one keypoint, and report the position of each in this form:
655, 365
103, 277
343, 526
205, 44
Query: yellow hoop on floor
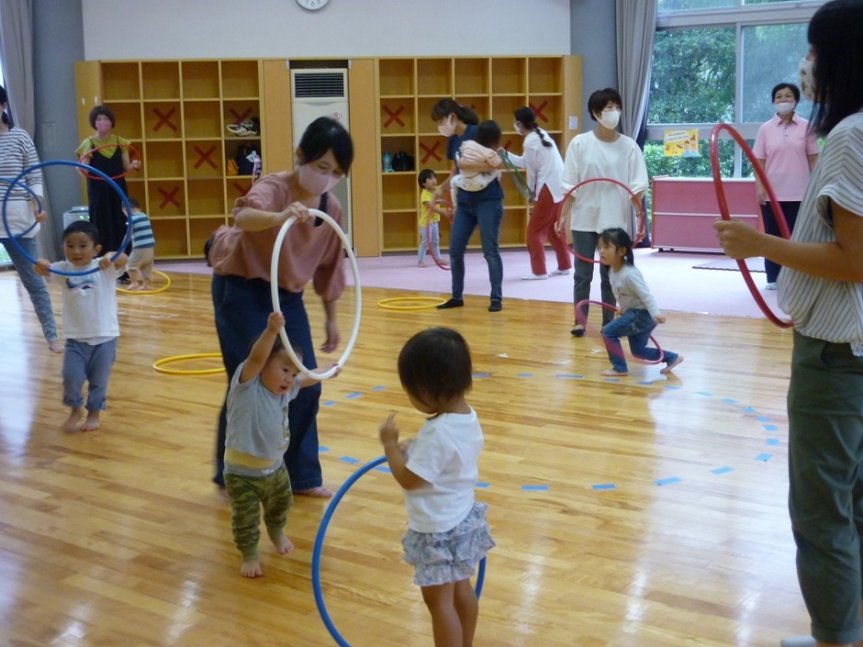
428, 303
161, 288
159, 364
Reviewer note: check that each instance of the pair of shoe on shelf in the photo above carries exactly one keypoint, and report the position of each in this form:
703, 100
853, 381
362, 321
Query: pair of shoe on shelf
248, 128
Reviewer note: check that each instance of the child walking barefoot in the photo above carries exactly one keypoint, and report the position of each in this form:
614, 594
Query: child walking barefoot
257, 437
639, 313
90, 322
447, 529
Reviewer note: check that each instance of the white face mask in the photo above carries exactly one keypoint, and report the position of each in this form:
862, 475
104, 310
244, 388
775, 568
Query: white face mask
447, 129
610, 118
517, 127
784, 107
315, 182
807, 78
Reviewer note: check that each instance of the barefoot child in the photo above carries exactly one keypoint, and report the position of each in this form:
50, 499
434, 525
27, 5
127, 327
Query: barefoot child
89, 321
447, 529
140, 266
257, 437
639, 313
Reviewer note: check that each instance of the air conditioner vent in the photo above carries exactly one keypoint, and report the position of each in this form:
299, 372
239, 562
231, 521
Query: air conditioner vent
319, 85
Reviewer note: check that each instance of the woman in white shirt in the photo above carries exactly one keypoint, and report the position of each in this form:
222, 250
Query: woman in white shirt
544, 167
601, 153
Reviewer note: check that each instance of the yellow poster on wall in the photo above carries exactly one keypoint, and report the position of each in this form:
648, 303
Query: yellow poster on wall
681, 142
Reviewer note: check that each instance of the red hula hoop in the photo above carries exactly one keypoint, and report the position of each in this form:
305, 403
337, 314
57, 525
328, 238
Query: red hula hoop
132, 152
582, 319
429, 214
639, 208
725, 213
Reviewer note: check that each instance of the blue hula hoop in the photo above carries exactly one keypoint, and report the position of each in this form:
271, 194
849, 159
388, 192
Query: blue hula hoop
27, 188
319, 544
79, 165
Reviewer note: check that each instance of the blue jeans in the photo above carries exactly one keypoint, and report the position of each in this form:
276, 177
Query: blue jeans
241, 308
85, 363
426, 245
636, 325
33, 283
468, 215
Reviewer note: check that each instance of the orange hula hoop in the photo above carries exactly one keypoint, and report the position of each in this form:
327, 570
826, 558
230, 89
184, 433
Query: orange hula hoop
132, 153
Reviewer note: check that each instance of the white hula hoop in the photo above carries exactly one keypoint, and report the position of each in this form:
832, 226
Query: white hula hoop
274, 290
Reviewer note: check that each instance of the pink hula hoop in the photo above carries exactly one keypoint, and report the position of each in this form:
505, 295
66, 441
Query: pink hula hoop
582, 319
725, 214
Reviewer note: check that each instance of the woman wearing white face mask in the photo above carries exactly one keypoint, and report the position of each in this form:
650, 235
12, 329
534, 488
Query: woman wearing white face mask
240, 256
600, 153
787, 151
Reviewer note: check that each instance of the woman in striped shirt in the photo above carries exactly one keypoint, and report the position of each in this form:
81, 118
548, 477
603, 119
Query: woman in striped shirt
820, 287
17, 152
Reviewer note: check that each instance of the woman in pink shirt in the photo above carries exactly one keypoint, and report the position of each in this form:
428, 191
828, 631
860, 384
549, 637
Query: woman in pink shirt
787, 151
312, 251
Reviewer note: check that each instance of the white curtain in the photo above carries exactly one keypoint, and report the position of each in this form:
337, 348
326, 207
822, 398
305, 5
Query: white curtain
636, 25
16, 50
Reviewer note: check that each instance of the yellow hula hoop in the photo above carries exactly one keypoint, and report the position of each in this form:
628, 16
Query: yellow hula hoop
428, 303
161, 288
159, 364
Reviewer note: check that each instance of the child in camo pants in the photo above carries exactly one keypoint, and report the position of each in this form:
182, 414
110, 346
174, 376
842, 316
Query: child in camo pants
257, 438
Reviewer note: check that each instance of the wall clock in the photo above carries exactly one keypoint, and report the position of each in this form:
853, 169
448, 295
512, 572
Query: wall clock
312, 5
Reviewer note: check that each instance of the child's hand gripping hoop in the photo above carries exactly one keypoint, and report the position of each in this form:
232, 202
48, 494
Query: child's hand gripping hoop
274, 291
319, 545
580, 318
638, 207
39, 209
726, 214
79, 165
132, 153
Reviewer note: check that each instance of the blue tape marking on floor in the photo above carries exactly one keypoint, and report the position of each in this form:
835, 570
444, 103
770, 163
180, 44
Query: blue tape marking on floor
604, 486
534, 488
322, 448
349, 459
722, 470
773, 442
763, 457
671, 480
384, 469
354, 395
763, 418
612, 379
481, 374
646, 382
524, 375
483, 484
672, 387
569, 376
329, 403
379, 387
729, 400
707, 393
748, 409
769, 427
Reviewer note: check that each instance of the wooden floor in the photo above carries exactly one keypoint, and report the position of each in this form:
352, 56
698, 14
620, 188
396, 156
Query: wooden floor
637, 512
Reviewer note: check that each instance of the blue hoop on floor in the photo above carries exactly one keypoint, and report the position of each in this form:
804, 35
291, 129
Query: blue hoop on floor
319, 544
38, 206
79, 165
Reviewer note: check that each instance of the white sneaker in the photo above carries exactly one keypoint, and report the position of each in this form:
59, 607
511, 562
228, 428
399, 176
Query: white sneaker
560, 272
770, 286
534, 277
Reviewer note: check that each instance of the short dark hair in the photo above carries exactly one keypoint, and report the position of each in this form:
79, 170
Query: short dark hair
600, 98
781, 86
424, 175
102, 110
133, 202
836, 36
488, 133
323, 134
279, 346
447, 107
82, 227
435, 365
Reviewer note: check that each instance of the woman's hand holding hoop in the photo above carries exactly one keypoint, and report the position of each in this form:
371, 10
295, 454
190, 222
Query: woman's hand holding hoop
738, 239
297, 210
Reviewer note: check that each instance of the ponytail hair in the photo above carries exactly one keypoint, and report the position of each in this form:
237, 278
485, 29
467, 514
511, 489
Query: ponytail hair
618, 238
446, 107
4, 100
527, 118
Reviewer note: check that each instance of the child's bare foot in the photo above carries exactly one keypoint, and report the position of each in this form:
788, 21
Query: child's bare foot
145, 286
55, 345
73, 422
252, 568
92, 422
283, 545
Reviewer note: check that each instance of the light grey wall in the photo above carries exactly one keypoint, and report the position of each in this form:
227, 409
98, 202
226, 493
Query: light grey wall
58, 41
594, 38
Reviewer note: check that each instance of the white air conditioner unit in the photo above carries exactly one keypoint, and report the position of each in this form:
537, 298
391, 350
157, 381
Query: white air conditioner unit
322, 93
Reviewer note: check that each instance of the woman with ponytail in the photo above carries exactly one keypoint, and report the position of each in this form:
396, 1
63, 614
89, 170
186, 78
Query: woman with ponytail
544, 167
17, 152
483, 208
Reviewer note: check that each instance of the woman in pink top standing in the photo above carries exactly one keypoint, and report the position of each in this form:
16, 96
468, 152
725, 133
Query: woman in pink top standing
312, 251
787, 151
